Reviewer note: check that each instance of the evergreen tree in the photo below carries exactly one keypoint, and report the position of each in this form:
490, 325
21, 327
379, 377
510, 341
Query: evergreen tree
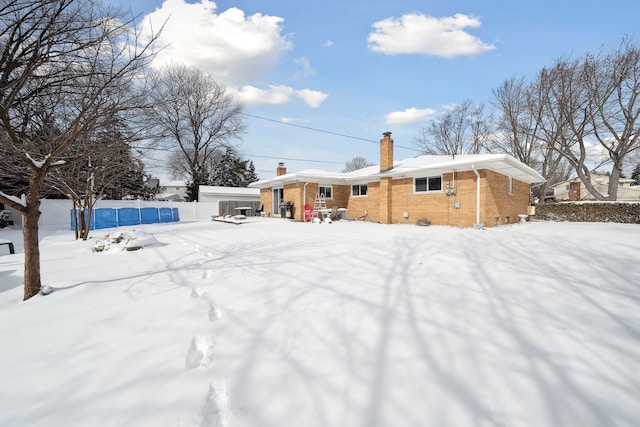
635, 175
229, 170
200, 177
250, 173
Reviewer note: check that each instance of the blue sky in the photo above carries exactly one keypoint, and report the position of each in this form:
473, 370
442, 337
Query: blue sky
360, 68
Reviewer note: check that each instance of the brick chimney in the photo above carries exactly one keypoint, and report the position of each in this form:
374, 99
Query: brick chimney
281, 170
386, 152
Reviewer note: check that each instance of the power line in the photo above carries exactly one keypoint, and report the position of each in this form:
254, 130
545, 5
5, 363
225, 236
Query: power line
302, 127
324, 131
310, 128
249, 155
290, 158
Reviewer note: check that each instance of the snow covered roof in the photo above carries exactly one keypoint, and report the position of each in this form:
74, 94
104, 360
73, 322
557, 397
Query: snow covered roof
167, 196
595, 177
173, 184
414, 167
215, 189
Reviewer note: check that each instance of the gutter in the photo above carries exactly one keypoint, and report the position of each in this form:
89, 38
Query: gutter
304, 199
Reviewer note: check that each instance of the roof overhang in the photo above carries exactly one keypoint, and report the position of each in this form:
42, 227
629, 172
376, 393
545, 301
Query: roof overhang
500, 163
432, 165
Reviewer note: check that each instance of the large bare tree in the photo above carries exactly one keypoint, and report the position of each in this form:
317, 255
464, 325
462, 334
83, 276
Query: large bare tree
67, 69
521, 133
464, 129
594, 103
193, 115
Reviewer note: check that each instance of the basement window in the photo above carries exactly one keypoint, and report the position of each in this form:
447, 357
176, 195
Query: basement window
427, 184
326, 191
359, 190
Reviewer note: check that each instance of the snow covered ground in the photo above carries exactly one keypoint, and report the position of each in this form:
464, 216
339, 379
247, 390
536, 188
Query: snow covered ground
277, 323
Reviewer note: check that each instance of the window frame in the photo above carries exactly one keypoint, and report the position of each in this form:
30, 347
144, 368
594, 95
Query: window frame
427, 179
510, 186
330, 187
360, 186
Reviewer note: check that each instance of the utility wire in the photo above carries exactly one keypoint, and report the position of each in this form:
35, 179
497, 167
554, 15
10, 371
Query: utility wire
309, 128
299, 160
302, 127
324, 131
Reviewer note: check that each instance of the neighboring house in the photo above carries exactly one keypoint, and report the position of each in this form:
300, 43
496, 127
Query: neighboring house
175, 191
229, 200
213, 193
574, 190
464, 191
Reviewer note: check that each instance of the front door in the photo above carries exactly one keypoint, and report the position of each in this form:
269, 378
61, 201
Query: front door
276, 199
574, 191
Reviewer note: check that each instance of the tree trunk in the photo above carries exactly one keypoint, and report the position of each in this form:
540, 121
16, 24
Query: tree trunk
32, 281
614, 180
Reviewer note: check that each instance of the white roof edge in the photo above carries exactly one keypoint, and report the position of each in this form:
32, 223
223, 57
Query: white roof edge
487, 161
212, 189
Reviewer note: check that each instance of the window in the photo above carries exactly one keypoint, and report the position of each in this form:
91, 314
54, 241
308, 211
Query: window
359, 190
327, 191
510, 185
430, 183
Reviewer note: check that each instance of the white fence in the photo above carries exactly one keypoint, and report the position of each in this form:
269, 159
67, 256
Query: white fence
57, 212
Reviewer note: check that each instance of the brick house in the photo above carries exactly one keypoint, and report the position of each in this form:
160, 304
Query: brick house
464, 191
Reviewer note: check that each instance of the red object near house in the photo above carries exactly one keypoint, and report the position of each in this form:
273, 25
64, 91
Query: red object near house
308, 213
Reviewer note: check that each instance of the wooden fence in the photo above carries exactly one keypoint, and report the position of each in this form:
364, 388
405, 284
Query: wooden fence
228, 207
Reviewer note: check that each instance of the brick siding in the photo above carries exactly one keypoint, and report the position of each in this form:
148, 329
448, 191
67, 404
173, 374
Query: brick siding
496, 204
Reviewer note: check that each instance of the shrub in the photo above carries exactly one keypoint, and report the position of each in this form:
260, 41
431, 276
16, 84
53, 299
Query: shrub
620, 212
423, 221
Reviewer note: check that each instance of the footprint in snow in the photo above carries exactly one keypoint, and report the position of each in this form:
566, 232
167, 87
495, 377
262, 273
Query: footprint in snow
200, 352
215, 313
215, 412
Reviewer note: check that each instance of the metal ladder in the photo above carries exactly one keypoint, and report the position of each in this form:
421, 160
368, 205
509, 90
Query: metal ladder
319, 203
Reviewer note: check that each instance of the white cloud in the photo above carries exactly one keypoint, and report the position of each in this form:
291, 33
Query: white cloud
279, 95
596, 153
328, 43
312, 98
427, 35
305, 68
409, 116
274, 95
235, 48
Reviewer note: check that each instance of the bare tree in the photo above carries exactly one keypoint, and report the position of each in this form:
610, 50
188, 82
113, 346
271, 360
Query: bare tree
66, 70
517, 124
465, 129
595, 101
193, 115
521, 132
109, 169
358, 162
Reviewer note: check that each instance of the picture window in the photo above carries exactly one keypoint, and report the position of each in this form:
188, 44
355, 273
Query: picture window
359, 190
327, 191
428, 184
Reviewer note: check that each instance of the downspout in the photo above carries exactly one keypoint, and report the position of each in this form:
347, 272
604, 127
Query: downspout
477, 225
304, 200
